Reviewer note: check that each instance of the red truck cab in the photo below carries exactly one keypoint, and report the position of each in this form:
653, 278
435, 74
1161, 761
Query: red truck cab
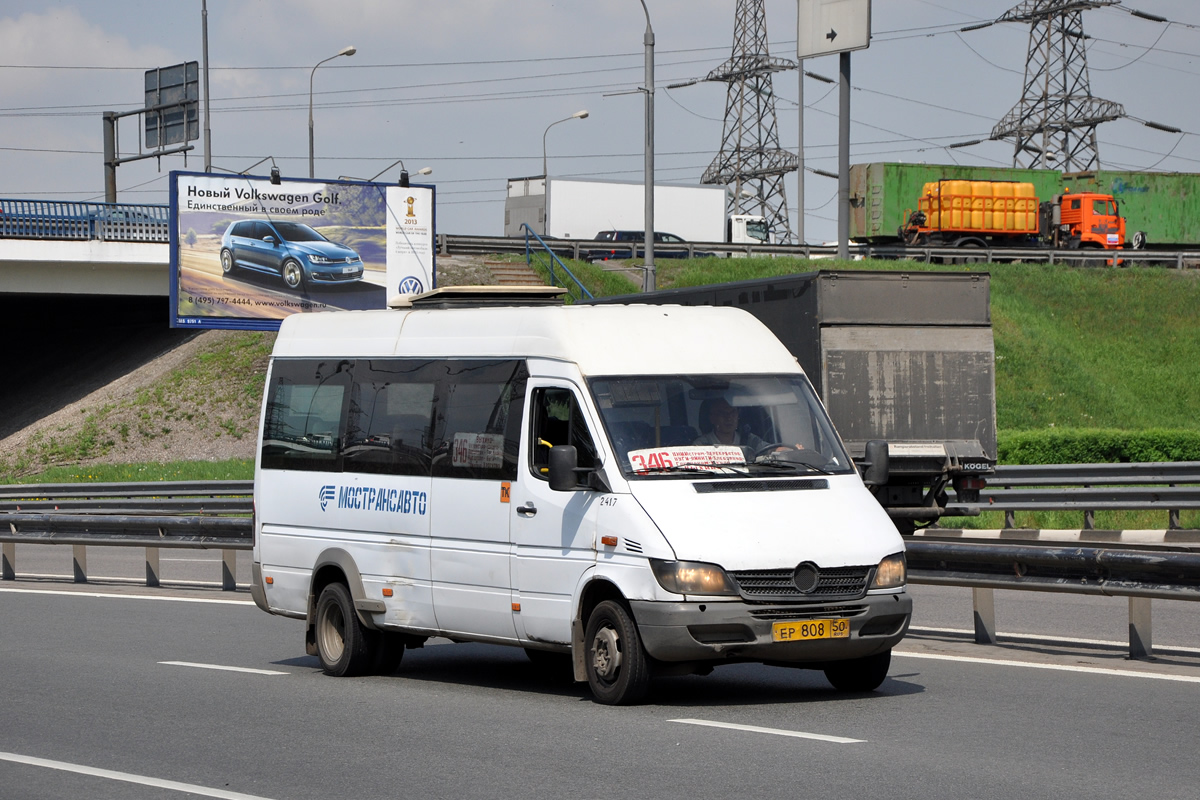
1094, 220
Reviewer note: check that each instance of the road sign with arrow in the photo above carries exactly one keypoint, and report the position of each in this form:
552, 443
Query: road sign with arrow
832, 26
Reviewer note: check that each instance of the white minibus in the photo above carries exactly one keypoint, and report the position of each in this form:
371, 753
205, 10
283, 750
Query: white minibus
644, 490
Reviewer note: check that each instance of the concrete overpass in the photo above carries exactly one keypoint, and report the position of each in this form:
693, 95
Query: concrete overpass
83, 248
130, 269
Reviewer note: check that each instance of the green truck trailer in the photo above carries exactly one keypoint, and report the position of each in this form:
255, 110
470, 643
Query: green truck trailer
1163, 207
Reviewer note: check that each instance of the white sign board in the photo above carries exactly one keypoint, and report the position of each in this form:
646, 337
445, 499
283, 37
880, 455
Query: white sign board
824, 27
410, 240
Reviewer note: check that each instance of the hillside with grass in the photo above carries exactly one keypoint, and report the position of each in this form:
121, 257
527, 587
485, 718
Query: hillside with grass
1075, 348
1078, 351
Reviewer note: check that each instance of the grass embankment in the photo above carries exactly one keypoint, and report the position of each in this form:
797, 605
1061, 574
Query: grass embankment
234, 469
1078, 352
215, 395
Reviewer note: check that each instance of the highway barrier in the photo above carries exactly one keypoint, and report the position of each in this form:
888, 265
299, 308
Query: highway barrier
1140, 565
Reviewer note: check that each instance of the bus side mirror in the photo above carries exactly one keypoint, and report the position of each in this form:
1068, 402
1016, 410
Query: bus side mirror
875, 472
564, 460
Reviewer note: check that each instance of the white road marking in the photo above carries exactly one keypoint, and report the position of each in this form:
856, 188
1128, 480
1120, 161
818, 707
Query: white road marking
1037, 637
130, 596
773, 731
142, 780
177, 583
1000, 662
223, 668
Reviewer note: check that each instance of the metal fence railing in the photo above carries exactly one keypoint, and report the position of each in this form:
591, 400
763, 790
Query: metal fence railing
110, 222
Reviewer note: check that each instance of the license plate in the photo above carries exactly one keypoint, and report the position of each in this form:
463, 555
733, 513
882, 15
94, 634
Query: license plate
810, 629
348, 270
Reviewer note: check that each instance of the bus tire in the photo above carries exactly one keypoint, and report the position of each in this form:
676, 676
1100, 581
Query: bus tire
618, 668
343, 645
860, 674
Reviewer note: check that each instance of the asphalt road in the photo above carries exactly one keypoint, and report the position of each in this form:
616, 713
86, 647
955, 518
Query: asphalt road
112, 690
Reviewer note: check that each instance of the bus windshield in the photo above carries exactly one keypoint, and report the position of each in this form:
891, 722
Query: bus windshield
664, 425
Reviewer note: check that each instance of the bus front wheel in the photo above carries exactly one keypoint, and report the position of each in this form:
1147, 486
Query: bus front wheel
618, 668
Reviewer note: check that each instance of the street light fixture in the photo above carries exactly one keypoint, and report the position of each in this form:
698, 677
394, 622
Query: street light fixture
577, 115
345, 51
403, 171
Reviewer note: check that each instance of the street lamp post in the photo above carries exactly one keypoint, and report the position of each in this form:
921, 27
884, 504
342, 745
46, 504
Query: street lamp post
577, 115
345, 51
649, 281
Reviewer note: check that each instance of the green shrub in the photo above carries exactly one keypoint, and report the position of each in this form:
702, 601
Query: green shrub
1081, 446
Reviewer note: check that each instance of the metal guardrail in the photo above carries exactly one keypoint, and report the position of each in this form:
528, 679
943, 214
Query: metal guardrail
1085, 568
176, 514
1088, 488
123, 222
216, 514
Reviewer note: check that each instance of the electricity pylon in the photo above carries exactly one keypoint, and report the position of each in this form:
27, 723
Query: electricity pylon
1054, 124
751, 162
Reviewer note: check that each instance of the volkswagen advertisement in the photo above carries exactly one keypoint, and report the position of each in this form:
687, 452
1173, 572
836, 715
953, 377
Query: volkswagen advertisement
246, 252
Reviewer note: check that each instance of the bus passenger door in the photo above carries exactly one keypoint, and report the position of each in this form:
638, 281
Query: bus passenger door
476, 440
552, 532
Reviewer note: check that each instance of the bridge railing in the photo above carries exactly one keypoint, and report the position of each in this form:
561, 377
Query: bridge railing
106, 222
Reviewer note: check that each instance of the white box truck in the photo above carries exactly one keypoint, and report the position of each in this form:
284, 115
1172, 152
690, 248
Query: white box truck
629, 490
581, 209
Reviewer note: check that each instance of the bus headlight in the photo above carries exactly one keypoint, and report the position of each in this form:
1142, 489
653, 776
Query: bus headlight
692, 577
891, 573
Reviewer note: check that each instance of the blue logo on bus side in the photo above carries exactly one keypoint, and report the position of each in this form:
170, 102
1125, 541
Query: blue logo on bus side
327, 493
372, 498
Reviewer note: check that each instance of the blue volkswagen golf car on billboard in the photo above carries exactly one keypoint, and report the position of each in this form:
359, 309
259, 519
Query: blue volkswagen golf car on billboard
292, 250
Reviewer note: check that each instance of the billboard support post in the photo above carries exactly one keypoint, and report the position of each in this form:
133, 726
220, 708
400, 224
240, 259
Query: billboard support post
110, 156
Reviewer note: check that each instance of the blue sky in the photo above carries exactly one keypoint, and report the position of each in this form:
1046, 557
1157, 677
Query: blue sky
468, 87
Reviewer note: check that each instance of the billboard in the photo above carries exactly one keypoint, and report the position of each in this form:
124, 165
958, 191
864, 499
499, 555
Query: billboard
246, 252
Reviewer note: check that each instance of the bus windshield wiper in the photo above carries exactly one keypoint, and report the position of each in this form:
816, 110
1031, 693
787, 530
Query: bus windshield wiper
776, 463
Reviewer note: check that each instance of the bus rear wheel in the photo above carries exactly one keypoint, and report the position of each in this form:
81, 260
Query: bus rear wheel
343, 645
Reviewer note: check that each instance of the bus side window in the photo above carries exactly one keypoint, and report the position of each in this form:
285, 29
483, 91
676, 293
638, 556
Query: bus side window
557, 420
478, 424
307, 405
391, 416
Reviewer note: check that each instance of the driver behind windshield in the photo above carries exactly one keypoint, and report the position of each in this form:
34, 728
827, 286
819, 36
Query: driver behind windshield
722, 420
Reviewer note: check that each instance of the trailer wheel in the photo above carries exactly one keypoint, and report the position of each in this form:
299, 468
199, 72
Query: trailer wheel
969, 259
860, 674
618, 668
